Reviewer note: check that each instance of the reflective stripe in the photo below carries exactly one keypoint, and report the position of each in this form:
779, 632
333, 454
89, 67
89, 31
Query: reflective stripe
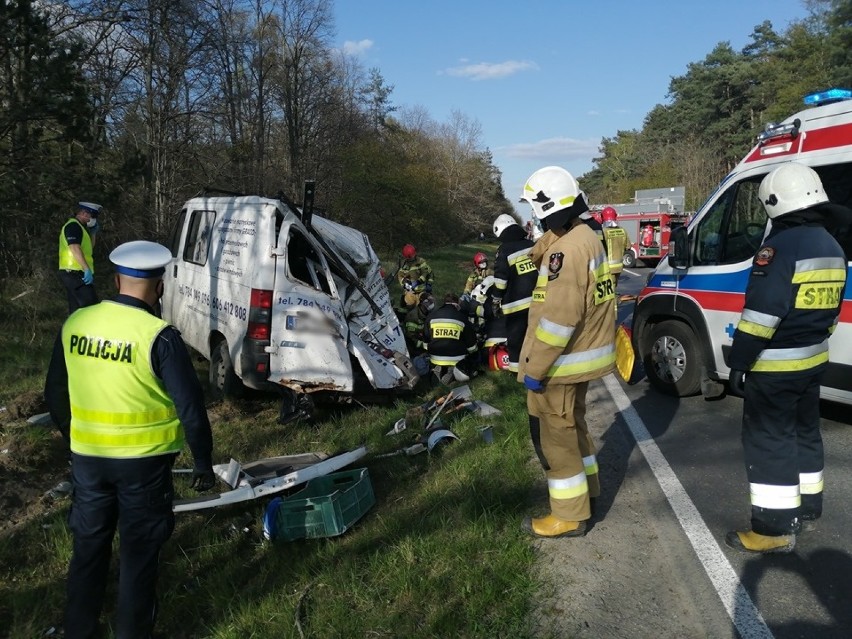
500, 284
553, 333
517, 305
127, 437
568, 488
590, 463
446, 360
513, 367
763, 319
791, 359
758, 324
518, 255
820, 269
811, 483
583, 361
446, 329
124, 419
775, 497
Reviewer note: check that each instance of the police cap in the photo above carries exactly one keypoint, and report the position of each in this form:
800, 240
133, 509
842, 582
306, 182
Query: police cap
141, 258
91, 207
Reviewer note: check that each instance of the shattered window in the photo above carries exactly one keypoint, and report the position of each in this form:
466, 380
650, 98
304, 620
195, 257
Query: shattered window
304, 263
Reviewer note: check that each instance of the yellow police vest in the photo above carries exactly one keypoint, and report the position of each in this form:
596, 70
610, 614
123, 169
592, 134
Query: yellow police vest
119, 408
66, 258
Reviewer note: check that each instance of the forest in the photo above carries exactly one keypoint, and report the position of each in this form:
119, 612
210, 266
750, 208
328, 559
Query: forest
141, 104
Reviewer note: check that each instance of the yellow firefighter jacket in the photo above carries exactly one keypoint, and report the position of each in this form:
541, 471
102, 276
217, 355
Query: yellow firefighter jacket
570, 336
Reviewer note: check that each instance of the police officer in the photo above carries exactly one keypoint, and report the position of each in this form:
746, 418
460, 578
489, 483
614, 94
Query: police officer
616, 241
479, 272
570, 341
451, 341
415, 277
514, 280
124, 441
76, 266
778, 356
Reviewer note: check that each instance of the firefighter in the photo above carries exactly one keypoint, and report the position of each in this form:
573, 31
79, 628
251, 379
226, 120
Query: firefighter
76, 264
124, 440
616, 241
514, 280
570, 341
479, 272
451, 342
415, 324
778, 357
415, 277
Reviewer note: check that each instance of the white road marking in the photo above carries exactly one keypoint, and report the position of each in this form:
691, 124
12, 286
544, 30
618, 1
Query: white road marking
741, 609
633, 273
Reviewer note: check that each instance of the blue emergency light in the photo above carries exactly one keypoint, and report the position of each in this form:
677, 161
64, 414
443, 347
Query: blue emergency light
827, 97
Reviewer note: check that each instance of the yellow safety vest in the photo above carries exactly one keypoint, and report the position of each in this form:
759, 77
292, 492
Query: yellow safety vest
66, 258
616, 244
119, 408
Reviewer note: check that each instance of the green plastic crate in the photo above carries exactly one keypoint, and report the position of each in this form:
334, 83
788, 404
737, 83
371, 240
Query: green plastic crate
327, 506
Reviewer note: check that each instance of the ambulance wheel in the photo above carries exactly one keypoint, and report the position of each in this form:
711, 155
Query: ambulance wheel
224, 383
673, 361
629, 259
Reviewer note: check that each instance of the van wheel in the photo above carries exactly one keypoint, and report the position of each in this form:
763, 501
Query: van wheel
674, 361
629, 259
224, 382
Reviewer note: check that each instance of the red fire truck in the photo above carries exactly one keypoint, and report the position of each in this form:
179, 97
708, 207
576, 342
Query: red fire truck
649, 222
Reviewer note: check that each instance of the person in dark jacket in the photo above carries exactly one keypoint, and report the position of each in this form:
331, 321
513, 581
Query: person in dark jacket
779, 355
451, 341
122, 389
514, 280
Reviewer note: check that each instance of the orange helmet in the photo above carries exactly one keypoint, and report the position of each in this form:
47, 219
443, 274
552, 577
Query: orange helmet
480, 258
608, 214
409, 252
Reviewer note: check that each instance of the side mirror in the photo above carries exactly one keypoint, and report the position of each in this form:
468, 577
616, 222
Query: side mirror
679, 248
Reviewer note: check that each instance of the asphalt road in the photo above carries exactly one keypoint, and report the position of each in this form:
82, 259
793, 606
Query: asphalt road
654, 563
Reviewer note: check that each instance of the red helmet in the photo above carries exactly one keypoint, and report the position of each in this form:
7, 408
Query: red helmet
608, 214
479, 258
498, 357
409, 252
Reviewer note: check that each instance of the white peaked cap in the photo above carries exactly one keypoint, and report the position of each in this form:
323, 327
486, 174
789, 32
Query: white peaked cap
140, 258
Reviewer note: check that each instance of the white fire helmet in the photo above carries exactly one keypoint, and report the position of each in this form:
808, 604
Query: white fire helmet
553, 190
790, 187
503, 222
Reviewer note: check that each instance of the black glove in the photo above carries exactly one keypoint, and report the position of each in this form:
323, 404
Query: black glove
202, 479
736, 382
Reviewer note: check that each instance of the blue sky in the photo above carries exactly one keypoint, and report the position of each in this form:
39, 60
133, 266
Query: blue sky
546, 79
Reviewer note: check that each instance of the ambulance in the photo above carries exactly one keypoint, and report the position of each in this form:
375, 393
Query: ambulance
278, 298
684, 319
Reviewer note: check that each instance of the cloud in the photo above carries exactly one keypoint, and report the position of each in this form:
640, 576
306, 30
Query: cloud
553, 149
357, 48
593, 112
489, 70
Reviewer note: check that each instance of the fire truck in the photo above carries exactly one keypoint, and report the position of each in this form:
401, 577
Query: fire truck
649, 221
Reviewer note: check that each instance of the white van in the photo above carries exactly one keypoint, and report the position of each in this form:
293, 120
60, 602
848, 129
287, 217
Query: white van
275, 298
684, 319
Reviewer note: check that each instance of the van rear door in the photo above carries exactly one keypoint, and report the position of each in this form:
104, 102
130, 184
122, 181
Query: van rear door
309, 332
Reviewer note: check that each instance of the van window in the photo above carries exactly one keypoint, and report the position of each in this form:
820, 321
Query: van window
198, 237
732, 230
174, 234
304, 263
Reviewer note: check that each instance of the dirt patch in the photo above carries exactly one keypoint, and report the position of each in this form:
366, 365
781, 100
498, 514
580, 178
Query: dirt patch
33, 460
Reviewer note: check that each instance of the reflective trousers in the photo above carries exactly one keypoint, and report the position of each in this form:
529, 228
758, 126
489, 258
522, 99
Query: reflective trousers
516, 330
565, 449
783, 449
136, 496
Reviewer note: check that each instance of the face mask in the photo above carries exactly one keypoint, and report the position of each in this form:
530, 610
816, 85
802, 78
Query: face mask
92, 223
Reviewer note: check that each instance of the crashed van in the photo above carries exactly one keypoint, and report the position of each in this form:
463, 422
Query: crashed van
277, 298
